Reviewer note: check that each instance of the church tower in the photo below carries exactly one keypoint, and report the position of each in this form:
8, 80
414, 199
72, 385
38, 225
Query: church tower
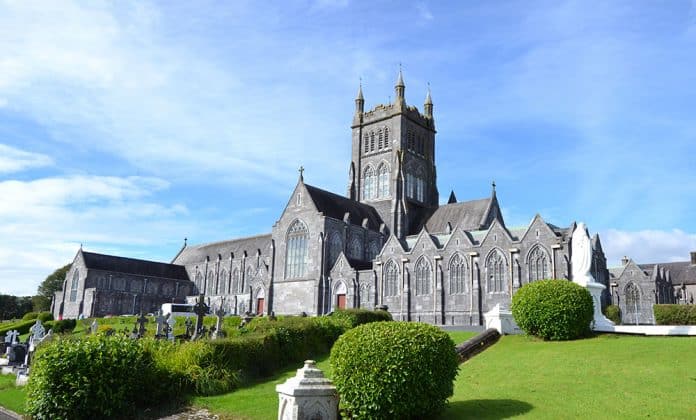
393, 160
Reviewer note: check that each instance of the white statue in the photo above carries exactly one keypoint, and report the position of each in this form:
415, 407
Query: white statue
581, 258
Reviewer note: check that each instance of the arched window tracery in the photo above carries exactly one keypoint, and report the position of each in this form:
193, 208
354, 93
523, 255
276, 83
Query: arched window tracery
457, 274
73, 286
383, 181
370, 184
538, 264
391, 279
335, 247
496, 272
423, 274
296, 255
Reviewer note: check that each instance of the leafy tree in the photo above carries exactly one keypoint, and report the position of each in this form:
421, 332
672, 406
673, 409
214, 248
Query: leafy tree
13, 307
54, 282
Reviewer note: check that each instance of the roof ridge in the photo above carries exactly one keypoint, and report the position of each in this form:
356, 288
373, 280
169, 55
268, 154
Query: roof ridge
230, 240
126, 258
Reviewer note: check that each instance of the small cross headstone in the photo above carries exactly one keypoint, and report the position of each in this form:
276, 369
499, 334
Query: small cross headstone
171, 322
189, 327
11, 337
200, 309
142, 320
220, 313
160, 325
94, 327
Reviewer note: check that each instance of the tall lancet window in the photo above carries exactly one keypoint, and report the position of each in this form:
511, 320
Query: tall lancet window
335, 248
383, 180
222, 287
632, 301
73, 286
538, 264
457, 274
391, 279
495, 270
296, 257
423, 273
370, 184
235, 281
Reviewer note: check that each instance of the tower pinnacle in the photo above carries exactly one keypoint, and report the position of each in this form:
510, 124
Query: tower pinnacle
400, 88
359, 100
428, 105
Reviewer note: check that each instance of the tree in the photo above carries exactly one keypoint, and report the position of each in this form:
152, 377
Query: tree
52, 284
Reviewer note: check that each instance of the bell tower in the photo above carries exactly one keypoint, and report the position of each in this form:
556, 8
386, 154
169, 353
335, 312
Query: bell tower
393, 160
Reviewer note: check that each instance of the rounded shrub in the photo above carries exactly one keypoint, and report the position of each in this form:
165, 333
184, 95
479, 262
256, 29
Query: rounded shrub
393, 370
88, 378
553, 309
44, 316
30, 315
613, 312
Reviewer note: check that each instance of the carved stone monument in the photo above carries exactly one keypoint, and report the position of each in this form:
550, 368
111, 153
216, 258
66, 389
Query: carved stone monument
171, 322
307, 396
502, 320
581, 262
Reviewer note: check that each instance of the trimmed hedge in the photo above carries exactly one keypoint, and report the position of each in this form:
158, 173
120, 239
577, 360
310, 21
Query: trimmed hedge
553, 309
21, 326
93, 377
356, 316
45, 316
675, 314
613, 312
393, 370
30, 315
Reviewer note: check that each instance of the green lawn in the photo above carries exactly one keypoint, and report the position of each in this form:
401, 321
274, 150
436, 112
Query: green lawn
603, 377
11, 397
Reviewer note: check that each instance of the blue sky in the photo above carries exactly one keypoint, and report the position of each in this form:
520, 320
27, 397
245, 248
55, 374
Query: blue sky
129, 126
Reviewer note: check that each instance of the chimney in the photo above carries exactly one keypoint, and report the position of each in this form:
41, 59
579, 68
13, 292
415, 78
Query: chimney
624, 260
693, 257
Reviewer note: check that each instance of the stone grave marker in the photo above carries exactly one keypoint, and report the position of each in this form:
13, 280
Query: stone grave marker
171, 322
142, 320
94, 327
160, 325
200, 309
189, 327
307, 396
220, 313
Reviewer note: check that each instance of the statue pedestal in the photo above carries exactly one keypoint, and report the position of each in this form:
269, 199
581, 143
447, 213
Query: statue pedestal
502, 320
598, 320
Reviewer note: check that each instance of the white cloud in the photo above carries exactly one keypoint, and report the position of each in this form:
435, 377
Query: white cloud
16, 160
648, 246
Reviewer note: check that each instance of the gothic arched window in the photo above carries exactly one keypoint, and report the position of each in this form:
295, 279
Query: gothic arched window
538, 262
248, 278
199, 282
222, 288
383, 181
632, 299
366, 142
296, 256
391, 279
73, 286
335, 247
370, 184
355, 249
372, 249
457, 274
495, 269
423, 277
211, 283
235, 281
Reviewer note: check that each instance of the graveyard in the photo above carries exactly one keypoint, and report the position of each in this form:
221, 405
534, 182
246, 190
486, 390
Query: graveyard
616, 375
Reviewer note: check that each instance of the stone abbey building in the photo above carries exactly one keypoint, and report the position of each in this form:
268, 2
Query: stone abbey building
388, 242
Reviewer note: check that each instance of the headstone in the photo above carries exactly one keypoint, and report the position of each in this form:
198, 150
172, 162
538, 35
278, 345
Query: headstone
142, 320
160, 325
307, 396
220, 313
94, 327
12, 337
18, 353
171, 322
200, 309
134, 332
189, 327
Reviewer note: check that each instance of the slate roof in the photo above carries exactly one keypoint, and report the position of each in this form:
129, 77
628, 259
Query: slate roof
468, 215
680, 272
197, 253
359, 265
336, 206
133, 266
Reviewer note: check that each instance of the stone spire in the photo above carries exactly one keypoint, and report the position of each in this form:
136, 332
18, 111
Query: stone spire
452, 198
359, 100
400, 88
428, 106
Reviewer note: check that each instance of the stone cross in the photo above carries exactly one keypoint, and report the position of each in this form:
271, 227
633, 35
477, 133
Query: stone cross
142, 320
189, 327
94, 327
200, 309
160, 325
171, 322
220, 313
11, 336
37, 333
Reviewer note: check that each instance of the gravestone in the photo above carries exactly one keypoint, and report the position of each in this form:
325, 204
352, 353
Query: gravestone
200, 309
18, 353
171, 322
142, 320
189, 327
220, 313
94, 327
160, 325
307, 396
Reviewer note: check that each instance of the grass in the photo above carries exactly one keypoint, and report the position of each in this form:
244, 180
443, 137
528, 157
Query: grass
608, 376
11, 397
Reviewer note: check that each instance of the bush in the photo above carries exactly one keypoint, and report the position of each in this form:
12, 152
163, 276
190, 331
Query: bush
62, 326
613, 312
355, 317
393, 370
92, 377
44, 316
30, 315
675, 314
21, 326
553, 309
